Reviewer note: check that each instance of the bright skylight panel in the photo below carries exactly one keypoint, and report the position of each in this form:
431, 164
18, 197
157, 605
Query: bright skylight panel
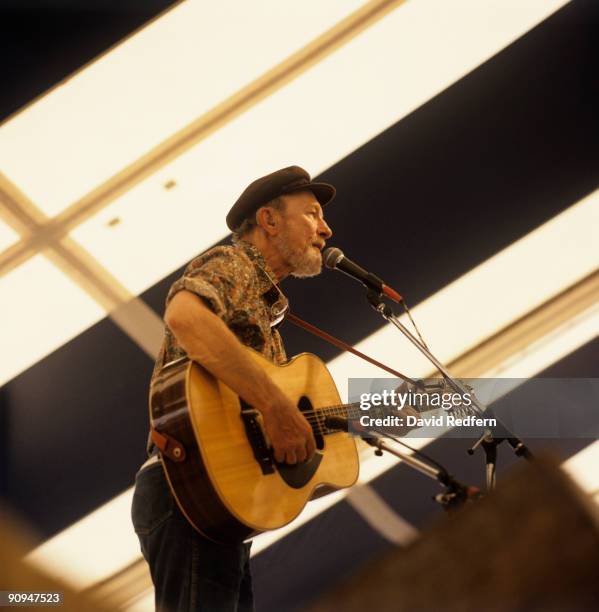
155, 83
104, 531
154, 229
314, 121
584, 468
41, 310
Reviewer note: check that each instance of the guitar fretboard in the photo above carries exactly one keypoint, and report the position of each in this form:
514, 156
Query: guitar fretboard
353, 412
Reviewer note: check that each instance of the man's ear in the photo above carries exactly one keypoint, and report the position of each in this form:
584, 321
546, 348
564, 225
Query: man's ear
268, 219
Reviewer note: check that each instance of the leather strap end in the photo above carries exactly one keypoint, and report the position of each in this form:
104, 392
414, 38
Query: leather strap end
168, 446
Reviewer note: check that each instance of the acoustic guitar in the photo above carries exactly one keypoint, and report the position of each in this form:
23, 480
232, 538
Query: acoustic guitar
218, 461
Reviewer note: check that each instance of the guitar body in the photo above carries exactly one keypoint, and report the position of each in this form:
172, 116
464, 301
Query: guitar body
228, 486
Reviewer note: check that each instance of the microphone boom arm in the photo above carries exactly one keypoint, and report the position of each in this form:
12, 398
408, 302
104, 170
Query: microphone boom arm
335, 259
391, 317
520, 449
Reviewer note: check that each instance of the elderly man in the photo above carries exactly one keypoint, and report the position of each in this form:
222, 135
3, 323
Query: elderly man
229, 297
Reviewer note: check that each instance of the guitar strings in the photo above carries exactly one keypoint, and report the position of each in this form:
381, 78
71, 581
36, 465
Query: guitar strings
316, 417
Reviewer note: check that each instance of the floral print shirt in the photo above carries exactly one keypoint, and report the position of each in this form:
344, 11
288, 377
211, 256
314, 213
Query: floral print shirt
236, 283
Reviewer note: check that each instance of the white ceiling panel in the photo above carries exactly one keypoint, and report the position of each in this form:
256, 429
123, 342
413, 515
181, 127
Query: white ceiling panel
153, 230
41, 310
66, 555
319, 118
584, 468
153, 84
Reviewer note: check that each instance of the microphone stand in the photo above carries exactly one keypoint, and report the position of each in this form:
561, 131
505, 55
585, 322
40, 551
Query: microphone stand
490, 438
456, 493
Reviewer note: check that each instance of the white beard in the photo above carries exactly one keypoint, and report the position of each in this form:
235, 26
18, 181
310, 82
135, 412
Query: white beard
302, 263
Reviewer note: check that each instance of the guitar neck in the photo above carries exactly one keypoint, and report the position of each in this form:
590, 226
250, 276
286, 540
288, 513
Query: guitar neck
353, 412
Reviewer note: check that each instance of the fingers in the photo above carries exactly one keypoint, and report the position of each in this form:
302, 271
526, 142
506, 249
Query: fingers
301, 451
311, 446
291, 437
305, 444
279, 455
291, 457
291, 452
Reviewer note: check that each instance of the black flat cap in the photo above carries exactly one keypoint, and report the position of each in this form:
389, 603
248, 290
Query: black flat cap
265, 189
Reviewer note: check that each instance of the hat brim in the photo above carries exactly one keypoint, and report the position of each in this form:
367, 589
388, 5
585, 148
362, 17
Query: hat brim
323, 192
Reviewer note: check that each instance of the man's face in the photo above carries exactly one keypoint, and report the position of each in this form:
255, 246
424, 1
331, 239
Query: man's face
303, 234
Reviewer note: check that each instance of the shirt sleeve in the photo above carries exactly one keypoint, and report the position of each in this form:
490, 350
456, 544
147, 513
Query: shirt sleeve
221, 278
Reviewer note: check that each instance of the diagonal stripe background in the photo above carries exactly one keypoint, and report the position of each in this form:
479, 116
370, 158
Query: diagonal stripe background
485, 162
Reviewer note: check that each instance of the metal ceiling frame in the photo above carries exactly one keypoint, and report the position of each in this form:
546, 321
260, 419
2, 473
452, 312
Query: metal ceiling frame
39, 233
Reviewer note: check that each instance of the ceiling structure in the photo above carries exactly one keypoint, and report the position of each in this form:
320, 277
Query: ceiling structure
463, 143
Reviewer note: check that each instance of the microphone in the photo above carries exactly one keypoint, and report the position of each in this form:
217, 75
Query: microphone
342, 424
336, 422
335, 260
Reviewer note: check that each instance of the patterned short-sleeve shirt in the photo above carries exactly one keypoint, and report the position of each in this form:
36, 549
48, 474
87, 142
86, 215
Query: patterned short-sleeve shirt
236, 283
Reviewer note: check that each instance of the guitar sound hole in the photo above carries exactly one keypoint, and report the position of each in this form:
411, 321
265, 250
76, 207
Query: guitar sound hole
305, 405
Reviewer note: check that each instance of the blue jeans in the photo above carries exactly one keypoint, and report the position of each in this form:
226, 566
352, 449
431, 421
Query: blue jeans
189, 571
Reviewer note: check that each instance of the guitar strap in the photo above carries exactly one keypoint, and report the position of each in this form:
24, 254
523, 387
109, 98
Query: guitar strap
343, 346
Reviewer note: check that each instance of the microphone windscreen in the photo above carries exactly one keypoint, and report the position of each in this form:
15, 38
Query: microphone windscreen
336, 422
331, 257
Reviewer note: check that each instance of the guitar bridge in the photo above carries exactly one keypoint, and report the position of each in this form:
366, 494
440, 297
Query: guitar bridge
256, 438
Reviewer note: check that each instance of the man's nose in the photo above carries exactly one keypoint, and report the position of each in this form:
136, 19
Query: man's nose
324, 230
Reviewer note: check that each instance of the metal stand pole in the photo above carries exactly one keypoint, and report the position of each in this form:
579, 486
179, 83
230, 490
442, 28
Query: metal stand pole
455, 493
490, 437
